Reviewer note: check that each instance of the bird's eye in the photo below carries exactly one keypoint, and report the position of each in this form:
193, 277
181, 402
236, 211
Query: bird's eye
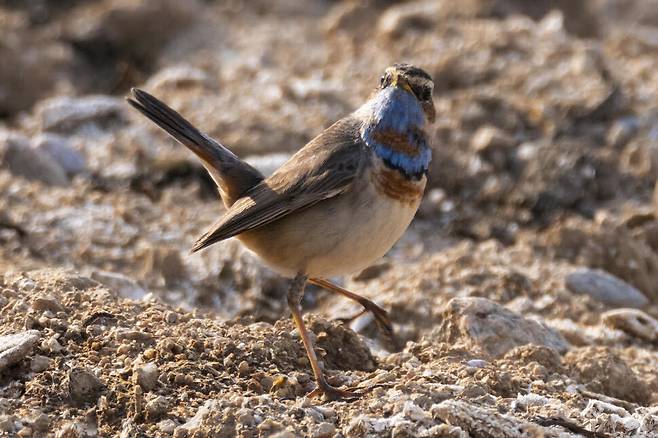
381, 81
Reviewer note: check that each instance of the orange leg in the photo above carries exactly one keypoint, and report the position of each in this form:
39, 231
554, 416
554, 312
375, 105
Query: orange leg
295, 294
381, 316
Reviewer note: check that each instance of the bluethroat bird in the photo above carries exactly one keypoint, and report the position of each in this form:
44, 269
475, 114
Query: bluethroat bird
336, 205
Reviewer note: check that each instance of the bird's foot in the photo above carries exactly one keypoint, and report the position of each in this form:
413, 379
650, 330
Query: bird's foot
335, 394
382, 319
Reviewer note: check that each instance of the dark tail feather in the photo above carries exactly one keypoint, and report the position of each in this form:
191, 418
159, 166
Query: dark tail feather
233, 176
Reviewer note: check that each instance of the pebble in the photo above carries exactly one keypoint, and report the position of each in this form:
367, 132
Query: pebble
83, 385
70, 430
157, 407
146, 376
243, 368
18, 155
477, 363
171, 317
65, 114
60, 150
246, 417
166, 426
41, 423
14, 348
46, 302
324, 430
605, 288
40, 363
52, 345
7, 423
634, 322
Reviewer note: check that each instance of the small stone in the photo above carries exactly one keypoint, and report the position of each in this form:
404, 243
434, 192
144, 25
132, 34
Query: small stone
70, 430
195, 422
146, 376
25, 432
605, 288
52, 345
40, 363
157, 407
62, 152
324, 430
46, 302
41, 423
14, 348
150, 353
84, 386
245, 417
17, 155
477, 363
166, 426
171, 317
243, 368
7, 423
634, 322
65, 114
180, 432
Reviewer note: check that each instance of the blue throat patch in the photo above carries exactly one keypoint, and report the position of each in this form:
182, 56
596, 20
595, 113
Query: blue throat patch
394, 132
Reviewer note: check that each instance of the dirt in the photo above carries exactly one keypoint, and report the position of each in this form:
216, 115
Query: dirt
544, 167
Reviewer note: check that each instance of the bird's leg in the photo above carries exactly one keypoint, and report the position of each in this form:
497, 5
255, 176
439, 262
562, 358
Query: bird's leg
381, 315
295, 294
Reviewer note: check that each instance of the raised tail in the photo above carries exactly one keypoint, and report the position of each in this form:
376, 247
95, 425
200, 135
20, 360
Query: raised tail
232, 175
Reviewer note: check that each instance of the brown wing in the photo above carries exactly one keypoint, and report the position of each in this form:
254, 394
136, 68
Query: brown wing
322, 169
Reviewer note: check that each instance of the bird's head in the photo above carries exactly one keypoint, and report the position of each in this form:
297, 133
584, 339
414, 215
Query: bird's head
413, 80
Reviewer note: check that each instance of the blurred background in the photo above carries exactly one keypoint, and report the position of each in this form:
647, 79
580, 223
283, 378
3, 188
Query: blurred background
545, 147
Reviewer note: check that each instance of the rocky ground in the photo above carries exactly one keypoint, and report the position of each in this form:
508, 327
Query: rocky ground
524, 296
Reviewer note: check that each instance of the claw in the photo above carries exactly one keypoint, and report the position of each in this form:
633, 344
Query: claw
335, 394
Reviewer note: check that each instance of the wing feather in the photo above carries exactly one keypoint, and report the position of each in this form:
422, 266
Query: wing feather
324, 168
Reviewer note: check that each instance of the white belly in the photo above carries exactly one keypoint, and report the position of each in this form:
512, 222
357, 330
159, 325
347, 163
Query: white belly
338, 236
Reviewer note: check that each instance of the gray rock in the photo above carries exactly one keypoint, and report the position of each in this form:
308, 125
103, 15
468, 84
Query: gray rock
157, 407
195, 423
605, 288
146, 376
65, 114
59, 148
13, 348
491, 329
46, 302
634, 322
17, 155
84, 386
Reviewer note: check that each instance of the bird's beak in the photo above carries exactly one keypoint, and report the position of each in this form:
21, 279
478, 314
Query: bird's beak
430, 112
399, 82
